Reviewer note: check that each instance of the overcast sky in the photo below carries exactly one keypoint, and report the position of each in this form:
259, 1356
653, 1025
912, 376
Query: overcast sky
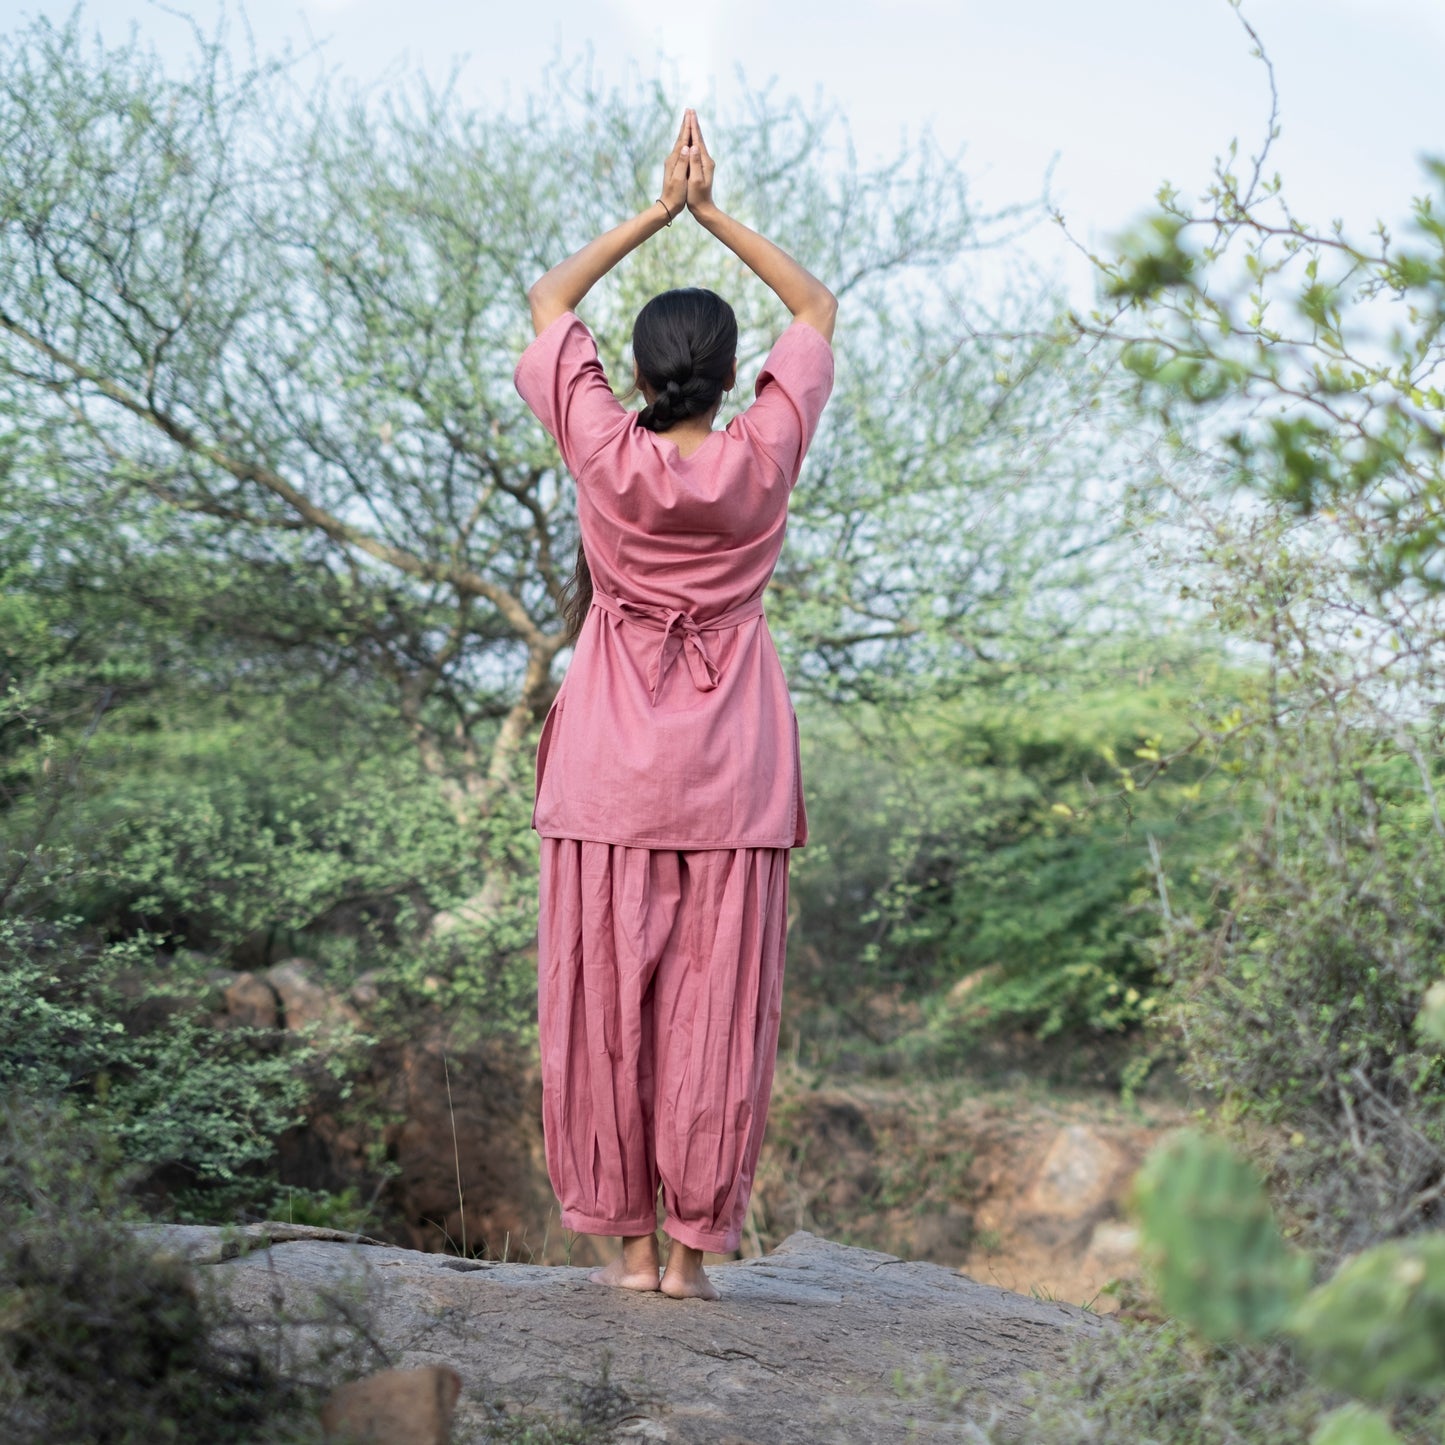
1126, 93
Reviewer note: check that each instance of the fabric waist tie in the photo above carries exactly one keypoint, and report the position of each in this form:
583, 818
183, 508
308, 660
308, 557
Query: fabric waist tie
673, 623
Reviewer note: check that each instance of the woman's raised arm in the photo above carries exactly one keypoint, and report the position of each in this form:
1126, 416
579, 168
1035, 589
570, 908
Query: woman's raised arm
797, 288
569, 281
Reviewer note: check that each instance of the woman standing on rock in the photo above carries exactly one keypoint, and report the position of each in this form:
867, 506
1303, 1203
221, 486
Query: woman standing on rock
668, 784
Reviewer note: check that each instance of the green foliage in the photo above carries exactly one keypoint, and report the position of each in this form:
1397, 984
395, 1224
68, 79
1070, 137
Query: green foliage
1375, 1329
1152, 260
118, 1026
482, 966
1292, 483
992, 854
175, 1092
99, 1338
1296, 994
343, 1209
1162, 1385
241, 817
1245, 302
1220, 1260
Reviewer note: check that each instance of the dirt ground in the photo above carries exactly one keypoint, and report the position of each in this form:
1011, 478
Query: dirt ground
1021, 1184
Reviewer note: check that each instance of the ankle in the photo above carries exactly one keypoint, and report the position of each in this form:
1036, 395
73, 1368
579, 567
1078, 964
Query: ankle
639, 1249
683, 1259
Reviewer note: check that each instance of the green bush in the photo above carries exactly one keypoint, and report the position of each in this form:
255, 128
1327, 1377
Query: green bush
995, 840
176, 1093
233, 821
1288, 379
1158, 1384
102, 1341
242, 832
1296, 992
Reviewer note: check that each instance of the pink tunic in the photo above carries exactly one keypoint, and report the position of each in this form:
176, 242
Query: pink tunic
673, 728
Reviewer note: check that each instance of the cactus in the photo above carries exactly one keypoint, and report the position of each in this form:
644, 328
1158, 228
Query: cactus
1354, 1425
1218, 1254
1377, 1328
1430, 1021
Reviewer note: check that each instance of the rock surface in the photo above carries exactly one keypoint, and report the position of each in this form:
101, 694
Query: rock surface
1052, 1213
304, 1001
803, 1346
396, 1407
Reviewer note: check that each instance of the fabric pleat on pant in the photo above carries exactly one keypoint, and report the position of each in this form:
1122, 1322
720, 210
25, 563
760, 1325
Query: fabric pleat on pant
659, 996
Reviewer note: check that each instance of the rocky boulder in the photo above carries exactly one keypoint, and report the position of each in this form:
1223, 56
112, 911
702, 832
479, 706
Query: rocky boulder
806, 1344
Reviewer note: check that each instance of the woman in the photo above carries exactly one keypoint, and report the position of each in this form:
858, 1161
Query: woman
668, 787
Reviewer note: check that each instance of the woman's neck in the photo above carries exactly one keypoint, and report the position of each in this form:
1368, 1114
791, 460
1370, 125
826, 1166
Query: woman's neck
690, 434
687, 437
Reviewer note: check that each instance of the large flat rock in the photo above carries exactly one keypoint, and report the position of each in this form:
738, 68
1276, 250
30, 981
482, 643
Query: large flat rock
806, 1344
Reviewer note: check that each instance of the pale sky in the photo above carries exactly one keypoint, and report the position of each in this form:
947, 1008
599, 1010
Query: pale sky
1126, 93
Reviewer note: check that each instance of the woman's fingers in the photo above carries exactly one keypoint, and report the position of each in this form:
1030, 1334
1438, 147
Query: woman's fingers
679, 148
697, 139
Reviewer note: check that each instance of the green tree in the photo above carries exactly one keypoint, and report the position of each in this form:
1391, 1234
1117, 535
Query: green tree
1295, 374
256, 356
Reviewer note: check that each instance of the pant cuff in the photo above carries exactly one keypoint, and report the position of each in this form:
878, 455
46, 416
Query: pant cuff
710, 1241
594, 1224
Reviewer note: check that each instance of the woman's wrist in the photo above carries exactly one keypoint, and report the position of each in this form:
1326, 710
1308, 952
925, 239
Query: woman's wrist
654, 217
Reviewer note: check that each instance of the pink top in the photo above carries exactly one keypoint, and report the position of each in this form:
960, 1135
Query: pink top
673, 727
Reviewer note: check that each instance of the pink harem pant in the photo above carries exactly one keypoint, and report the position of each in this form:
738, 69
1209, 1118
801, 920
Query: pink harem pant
660, 978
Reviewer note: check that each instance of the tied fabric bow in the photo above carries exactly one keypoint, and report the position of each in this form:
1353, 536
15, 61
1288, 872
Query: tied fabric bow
681, 632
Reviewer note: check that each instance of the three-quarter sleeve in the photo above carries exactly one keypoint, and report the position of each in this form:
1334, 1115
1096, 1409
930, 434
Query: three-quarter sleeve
792, 389
560, 377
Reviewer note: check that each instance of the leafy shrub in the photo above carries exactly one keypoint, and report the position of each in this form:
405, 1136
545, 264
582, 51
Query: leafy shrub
100, 1340
993, 842
1296, 993
1158, 1384
235, 821
241, 833
1291, 480
174, 1092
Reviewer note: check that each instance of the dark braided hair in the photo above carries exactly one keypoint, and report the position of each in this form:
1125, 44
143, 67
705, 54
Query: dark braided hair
684, 342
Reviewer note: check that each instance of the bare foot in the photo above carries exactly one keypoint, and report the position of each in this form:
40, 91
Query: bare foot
636, 1269
685, 1277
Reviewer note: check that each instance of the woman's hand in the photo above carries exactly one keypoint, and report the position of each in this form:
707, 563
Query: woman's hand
569, 281
674, 171
699, 165
797, 288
